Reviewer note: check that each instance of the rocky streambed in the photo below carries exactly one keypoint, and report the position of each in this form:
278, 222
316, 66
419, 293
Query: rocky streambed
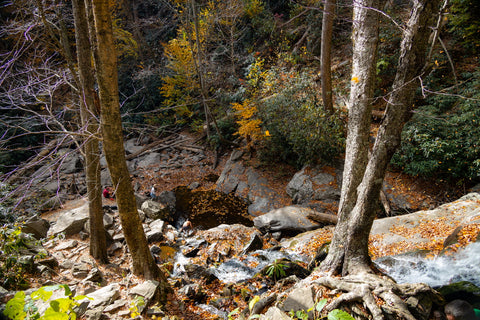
252, 238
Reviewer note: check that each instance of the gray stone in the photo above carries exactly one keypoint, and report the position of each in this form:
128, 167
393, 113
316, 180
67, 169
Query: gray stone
301, 298
274, 313
255, 244
69, 244
168, 199
70, 222
289, 219
147, 290
149, 160
155, 210
315, 183
95, 276
80, 270
36, 226
104, 296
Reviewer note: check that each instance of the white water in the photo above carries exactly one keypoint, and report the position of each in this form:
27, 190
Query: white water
464, 265
236, 270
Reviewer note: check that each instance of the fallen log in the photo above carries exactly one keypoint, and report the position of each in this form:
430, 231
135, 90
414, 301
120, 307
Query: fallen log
324, 218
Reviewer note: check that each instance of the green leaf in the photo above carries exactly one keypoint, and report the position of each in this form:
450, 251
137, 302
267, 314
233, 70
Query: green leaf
339, 315
14, 308
51, 314
320, 305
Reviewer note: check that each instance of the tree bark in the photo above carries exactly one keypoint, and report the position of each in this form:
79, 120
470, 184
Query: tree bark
365, 40
349, 249
325, 57
98, 241
107, 79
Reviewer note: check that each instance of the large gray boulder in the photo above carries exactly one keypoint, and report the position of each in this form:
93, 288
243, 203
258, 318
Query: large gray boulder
36, 226
155, 210
288, 220
321, 183
70, 222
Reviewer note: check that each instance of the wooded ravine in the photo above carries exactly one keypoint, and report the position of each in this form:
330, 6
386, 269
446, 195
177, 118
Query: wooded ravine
374, 105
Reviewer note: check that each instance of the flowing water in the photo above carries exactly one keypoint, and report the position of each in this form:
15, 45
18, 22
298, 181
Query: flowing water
464, 265
239, 269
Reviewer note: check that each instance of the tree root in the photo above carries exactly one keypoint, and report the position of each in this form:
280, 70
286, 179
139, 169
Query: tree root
380, 295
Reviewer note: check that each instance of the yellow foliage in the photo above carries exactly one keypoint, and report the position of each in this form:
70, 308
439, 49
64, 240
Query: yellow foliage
124, 41
249, 126
253, 8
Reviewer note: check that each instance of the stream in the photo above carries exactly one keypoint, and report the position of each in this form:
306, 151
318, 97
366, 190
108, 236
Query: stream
464, 265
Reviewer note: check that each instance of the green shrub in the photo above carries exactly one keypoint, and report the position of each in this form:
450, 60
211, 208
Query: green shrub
300, 132
443, 138
23, 306
13, 264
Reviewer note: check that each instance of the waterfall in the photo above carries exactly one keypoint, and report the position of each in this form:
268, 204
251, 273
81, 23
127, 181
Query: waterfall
463, 265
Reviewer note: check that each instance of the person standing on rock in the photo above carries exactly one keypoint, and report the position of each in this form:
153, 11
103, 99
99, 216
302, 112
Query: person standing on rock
153, 193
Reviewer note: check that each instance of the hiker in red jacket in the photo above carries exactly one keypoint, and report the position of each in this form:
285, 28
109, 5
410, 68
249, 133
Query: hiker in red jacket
108, 193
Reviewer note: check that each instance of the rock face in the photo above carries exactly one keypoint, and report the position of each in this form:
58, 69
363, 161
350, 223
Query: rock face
246, 183
315, 183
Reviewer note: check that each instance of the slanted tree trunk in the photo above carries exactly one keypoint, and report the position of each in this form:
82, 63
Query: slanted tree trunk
90, 126
348, 253
325, 57
107, 79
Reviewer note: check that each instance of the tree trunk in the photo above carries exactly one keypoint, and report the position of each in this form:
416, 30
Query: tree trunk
107, 79
326, 49
365, 39
351, 245
98, 242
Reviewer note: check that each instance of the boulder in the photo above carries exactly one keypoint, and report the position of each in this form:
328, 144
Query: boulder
36, 226
300, 299
289, 220
315, 183
70, 222
147, 290
248, 184
155, 210
104, 296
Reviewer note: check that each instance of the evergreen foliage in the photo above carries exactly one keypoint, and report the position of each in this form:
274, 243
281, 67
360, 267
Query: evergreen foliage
442, 139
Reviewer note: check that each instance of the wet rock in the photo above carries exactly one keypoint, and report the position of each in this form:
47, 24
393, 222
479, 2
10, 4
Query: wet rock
193, 291
168, 199
195, 271
70, 222
36, 226
255, 244
463, 290
289, 220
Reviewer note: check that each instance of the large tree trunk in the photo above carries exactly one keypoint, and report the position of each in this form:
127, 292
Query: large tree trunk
365, 39
107, 79
326, 49
90, 127
349, 248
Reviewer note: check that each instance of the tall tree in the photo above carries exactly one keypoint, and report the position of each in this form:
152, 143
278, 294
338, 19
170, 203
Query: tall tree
111, 124
90, 125
325, 56
363, 176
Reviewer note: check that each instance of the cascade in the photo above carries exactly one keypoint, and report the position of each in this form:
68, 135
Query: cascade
463, 265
